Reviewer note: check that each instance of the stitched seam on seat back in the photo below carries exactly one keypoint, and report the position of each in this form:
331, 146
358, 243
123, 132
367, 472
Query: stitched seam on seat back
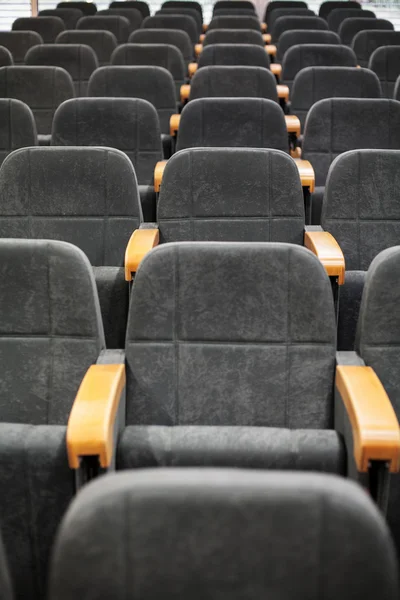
51, 332
358, 208
174, 334
287, 342
269, 175
106, 207
191, 195
331, 135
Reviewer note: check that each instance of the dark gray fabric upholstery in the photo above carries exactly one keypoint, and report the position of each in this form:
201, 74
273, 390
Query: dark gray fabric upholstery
234, 22
234, 81
339, 124
234, 55
17, 126
69, 16
5, 580
315, 83
338, 15
134, 16
235, 194
167, 21
6, 59
43, 89
102, 42
47, 27
173, 37
366, 42
220, 12
315, 55
154, 84
19, 42
276, 4
286, 23
185, 371
117, 25
191, 12
288, 12
326, 7
234, 36
233, 4
349, 308
113, 293
138, 4
295, 37
184, 4
232, 122
87, 8
78, 60
385, 62
350, 27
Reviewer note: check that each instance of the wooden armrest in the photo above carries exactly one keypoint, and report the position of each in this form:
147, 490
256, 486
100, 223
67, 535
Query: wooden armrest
267, 38
283, 92
326, 248
306, 173
192, 68
158, 174
174, 122
292, 122
140, 244
205, 27
201, 37
198, 49
185, 93
373, 421
270, 49
264, 27
276, 69
90, 430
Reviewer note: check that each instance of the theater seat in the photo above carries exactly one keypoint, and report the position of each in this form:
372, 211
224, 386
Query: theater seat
69, 16
137, 4
366, 42
234, 36
167, 21
47, 27
234, 22
87, 8
17, 126
234, 55
103, 43
276, 4
295, 37
350, 27
385, 62
288, 12
338, 15
119, 26
6, 59
326, 7
191, 12
173, 37
19, 42
287, 23
134, 16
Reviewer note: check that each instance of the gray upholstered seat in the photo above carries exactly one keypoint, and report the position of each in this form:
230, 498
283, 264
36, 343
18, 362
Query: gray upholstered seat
43, 89
287, 23
315, 55
49, 337
326, 7
361, 210
131, 125
222, 533
167, 21
85, 196
191, 12
315, 83
6, 59
78, 60
350, 27
366, 42
69, 16
222, 12
234, 81
247, 4
19, 42
137, 4
232, 122
288, 12
295, 37
234, 55
173, 37
103, 43
234, 36
47, 27
338, 15
17, 126
5, 579
234, 22
87, 8
117, 25
276, 4
183, 4
385, 62
133, 15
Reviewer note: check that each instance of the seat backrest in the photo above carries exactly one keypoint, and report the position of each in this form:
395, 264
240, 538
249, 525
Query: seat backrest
288, 12
133, 15
232, 122
276, 4
287, 23
180, 4
231, 194
154, 84
350, 27
234, 82
102, 42
234, 36
119, 26
315, 55
336, 125
191, 12
6, 59
220, 12
327, 7
138, 4
362, 211
85, 196
172, 37
234, 22
43, 89
131, 125
385, 62
19, 42
47, 27
234, 54
238, 303
315, 83
17, 126
167, 21
338, 15
233, 4
295, 37
77, 59
69, 16
87, 8
158, 55
55, 332
366, 42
